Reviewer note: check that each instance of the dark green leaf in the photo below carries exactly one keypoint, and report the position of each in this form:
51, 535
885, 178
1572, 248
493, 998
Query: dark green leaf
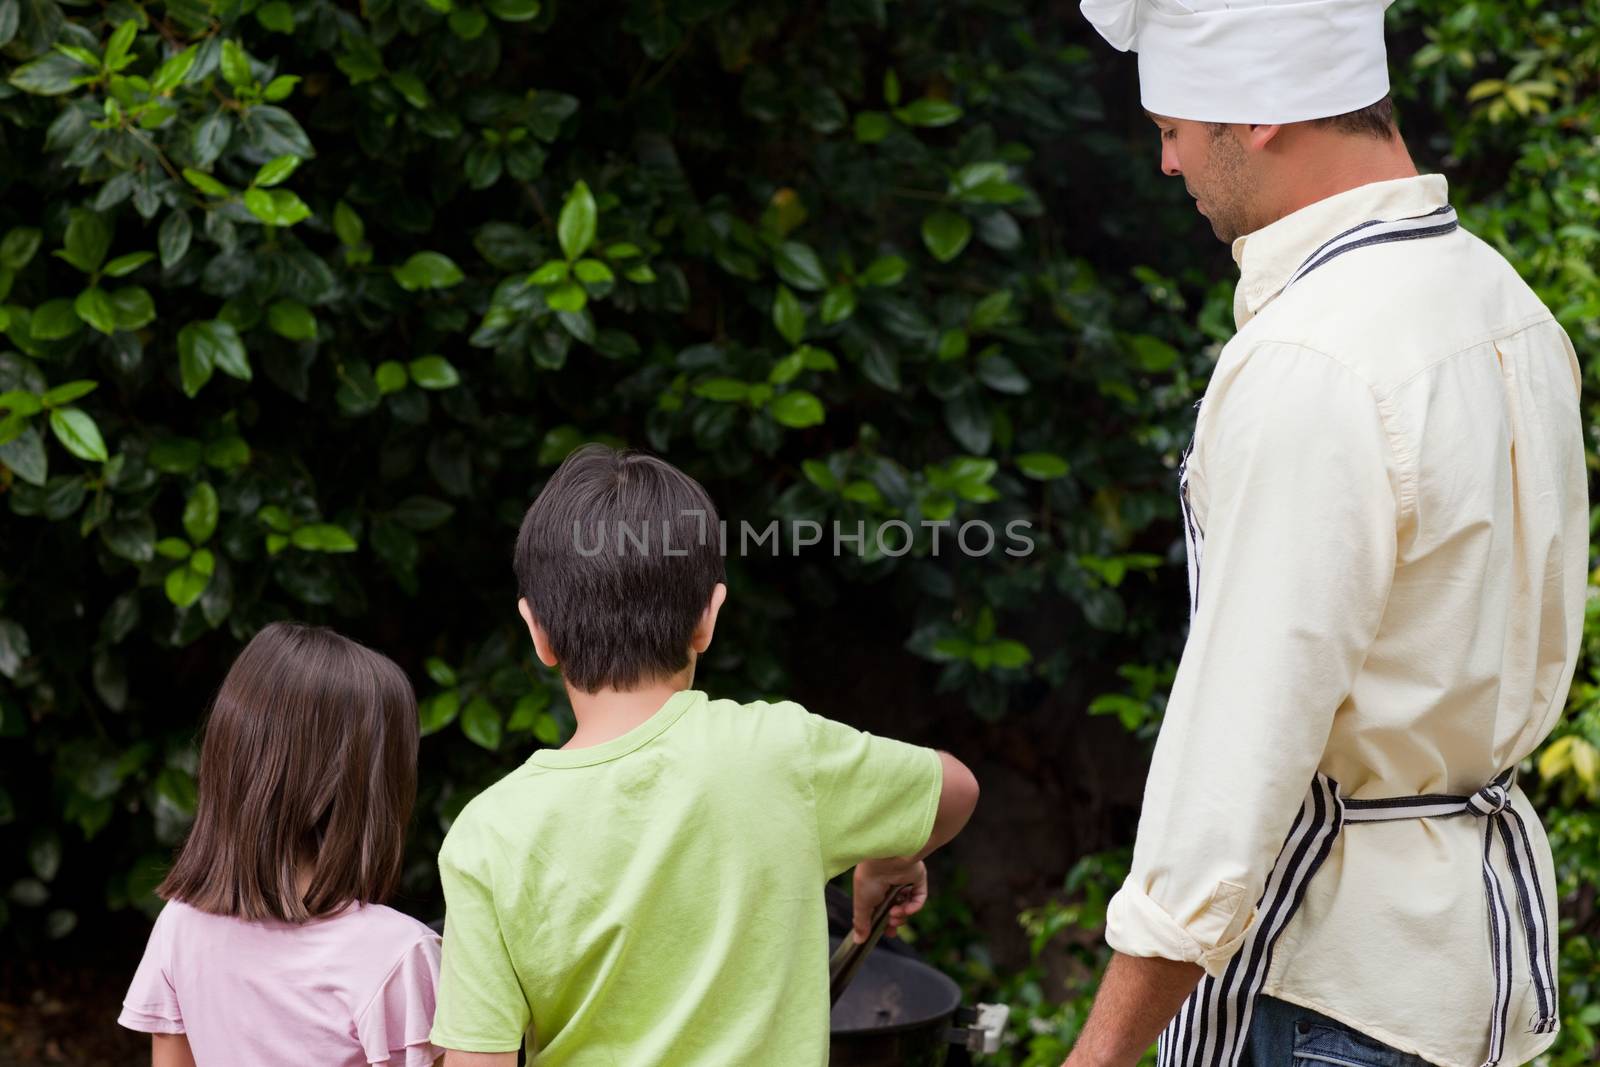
173, 239
124, 265
209, 139
797, 409
434, 372
276, 15
928, 112
968, 421
184, 584
576, 227
468, 23
872, 127
839, 304
569, 297
884, 271
275, 132
53, 320
88, 241
173, 548
94, 307
348, 225
422, 513
133, 539
945, 234
428, 270
19, 246
391, 377
176, 455
788, 316
200, 513
228, 453
438, 711
49, 75
236, 64
292, 319
323, 537
276, 171
513, 10
133, 307
173, 70
65, 393
1002, 375
280, 88
1043, 466
799, 266
204, 182
204, 346
78, 433
480, 721
441, 672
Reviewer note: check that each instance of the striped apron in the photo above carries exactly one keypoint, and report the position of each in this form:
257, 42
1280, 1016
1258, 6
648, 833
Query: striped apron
1211, 1027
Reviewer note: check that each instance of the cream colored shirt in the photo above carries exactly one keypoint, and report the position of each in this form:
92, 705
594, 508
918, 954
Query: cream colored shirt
1388, 471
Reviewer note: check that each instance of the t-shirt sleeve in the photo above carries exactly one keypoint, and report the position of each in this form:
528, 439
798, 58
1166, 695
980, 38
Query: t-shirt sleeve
151, 1005
875, 798
394, 1026
481, 1004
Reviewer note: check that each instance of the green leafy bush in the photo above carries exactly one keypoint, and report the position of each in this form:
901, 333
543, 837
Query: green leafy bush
301, 302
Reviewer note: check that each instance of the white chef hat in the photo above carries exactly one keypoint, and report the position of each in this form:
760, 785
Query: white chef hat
1256, 61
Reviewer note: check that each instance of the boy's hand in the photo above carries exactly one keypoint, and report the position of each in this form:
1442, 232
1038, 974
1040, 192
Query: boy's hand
873, 880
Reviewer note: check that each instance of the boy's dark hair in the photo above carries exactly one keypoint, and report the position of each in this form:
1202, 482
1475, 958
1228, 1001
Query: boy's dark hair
618, 558
309, 763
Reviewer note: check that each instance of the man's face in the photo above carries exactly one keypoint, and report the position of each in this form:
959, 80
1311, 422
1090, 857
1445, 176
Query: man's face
1215, 171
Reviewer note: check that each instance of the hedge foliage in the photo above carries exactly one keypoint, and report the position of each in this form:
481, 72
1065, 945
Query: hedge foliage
302, 301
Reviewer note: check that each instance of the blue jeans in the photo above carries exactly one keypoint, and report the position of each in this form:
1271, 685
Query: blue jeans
1285, 1035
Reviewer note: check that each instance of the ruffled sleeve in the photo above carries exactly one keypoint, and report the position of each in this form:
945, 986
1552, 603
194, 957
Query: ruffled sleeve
394, 1026
151, 1005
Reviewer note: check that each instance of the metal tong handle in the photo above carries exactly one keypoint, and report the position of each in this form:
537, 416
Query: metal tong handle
849, 956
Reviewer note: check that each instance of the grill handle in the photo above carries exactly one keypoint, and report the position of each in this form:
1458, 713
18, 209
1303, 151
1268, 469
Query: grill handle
983, 1028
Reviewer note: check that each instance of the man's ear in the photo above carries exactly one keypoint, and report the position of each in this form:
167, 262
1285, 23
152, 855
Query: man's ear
708, 620
1260, 136
541, 640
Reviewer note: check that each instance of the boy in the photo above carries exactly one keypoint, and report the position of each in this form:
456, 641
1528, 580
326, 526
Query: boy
652, 892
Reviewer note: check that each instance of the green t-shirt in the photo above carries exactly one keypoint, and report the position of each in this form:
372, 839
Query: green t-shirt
657, 899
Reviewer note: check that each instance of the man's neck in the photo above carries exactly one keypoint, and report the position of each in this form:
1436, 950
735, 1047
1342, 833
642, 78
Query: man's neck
610, 713
1332, 164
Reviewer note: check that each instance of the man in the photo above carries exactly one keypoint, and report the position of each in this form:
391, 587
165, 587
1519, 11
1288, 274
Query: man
1386, 508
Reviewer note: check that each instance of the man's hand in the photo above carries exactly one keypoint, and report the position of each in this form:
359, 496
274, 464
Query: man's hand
873, 880
1137, 999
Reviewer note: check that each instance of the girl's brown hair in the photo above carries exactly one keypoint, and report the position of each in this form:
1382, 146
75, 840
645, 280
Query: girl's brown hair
309, 764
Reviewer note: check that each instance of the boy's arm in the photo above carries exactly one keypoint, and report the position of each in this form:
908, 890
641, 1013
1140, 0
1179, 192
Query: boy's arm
958, 796
170, 1050
453, 1058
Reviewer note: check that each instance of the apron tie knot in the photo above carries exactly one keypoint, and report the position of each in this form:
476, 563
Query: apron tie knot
1490, 800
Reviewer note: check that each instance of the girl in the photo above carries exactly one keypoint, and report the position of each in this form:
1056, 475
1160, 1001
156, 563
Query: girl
274, 947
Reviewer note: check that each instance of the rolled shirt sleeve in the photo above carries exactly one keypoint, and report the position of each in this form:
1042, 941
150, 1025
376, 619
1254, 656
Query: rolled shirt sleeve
1299, 492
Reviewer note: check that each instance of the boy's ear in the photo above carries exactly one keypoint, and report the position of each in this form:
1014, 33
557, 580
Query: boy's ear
708, 619
541, 640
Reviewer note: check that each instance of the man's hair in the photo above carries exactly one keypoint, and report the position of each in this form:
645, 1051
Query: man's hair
1374, 120
309, 763
618, 558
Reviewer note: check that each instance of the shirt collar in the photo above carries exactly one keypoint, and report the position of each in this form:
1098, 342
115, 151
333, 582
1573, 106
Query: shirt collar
1268, 257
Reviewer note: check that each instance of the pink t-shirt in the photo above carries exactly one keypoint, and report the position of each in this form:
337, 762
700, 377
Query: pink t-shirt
351, 989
